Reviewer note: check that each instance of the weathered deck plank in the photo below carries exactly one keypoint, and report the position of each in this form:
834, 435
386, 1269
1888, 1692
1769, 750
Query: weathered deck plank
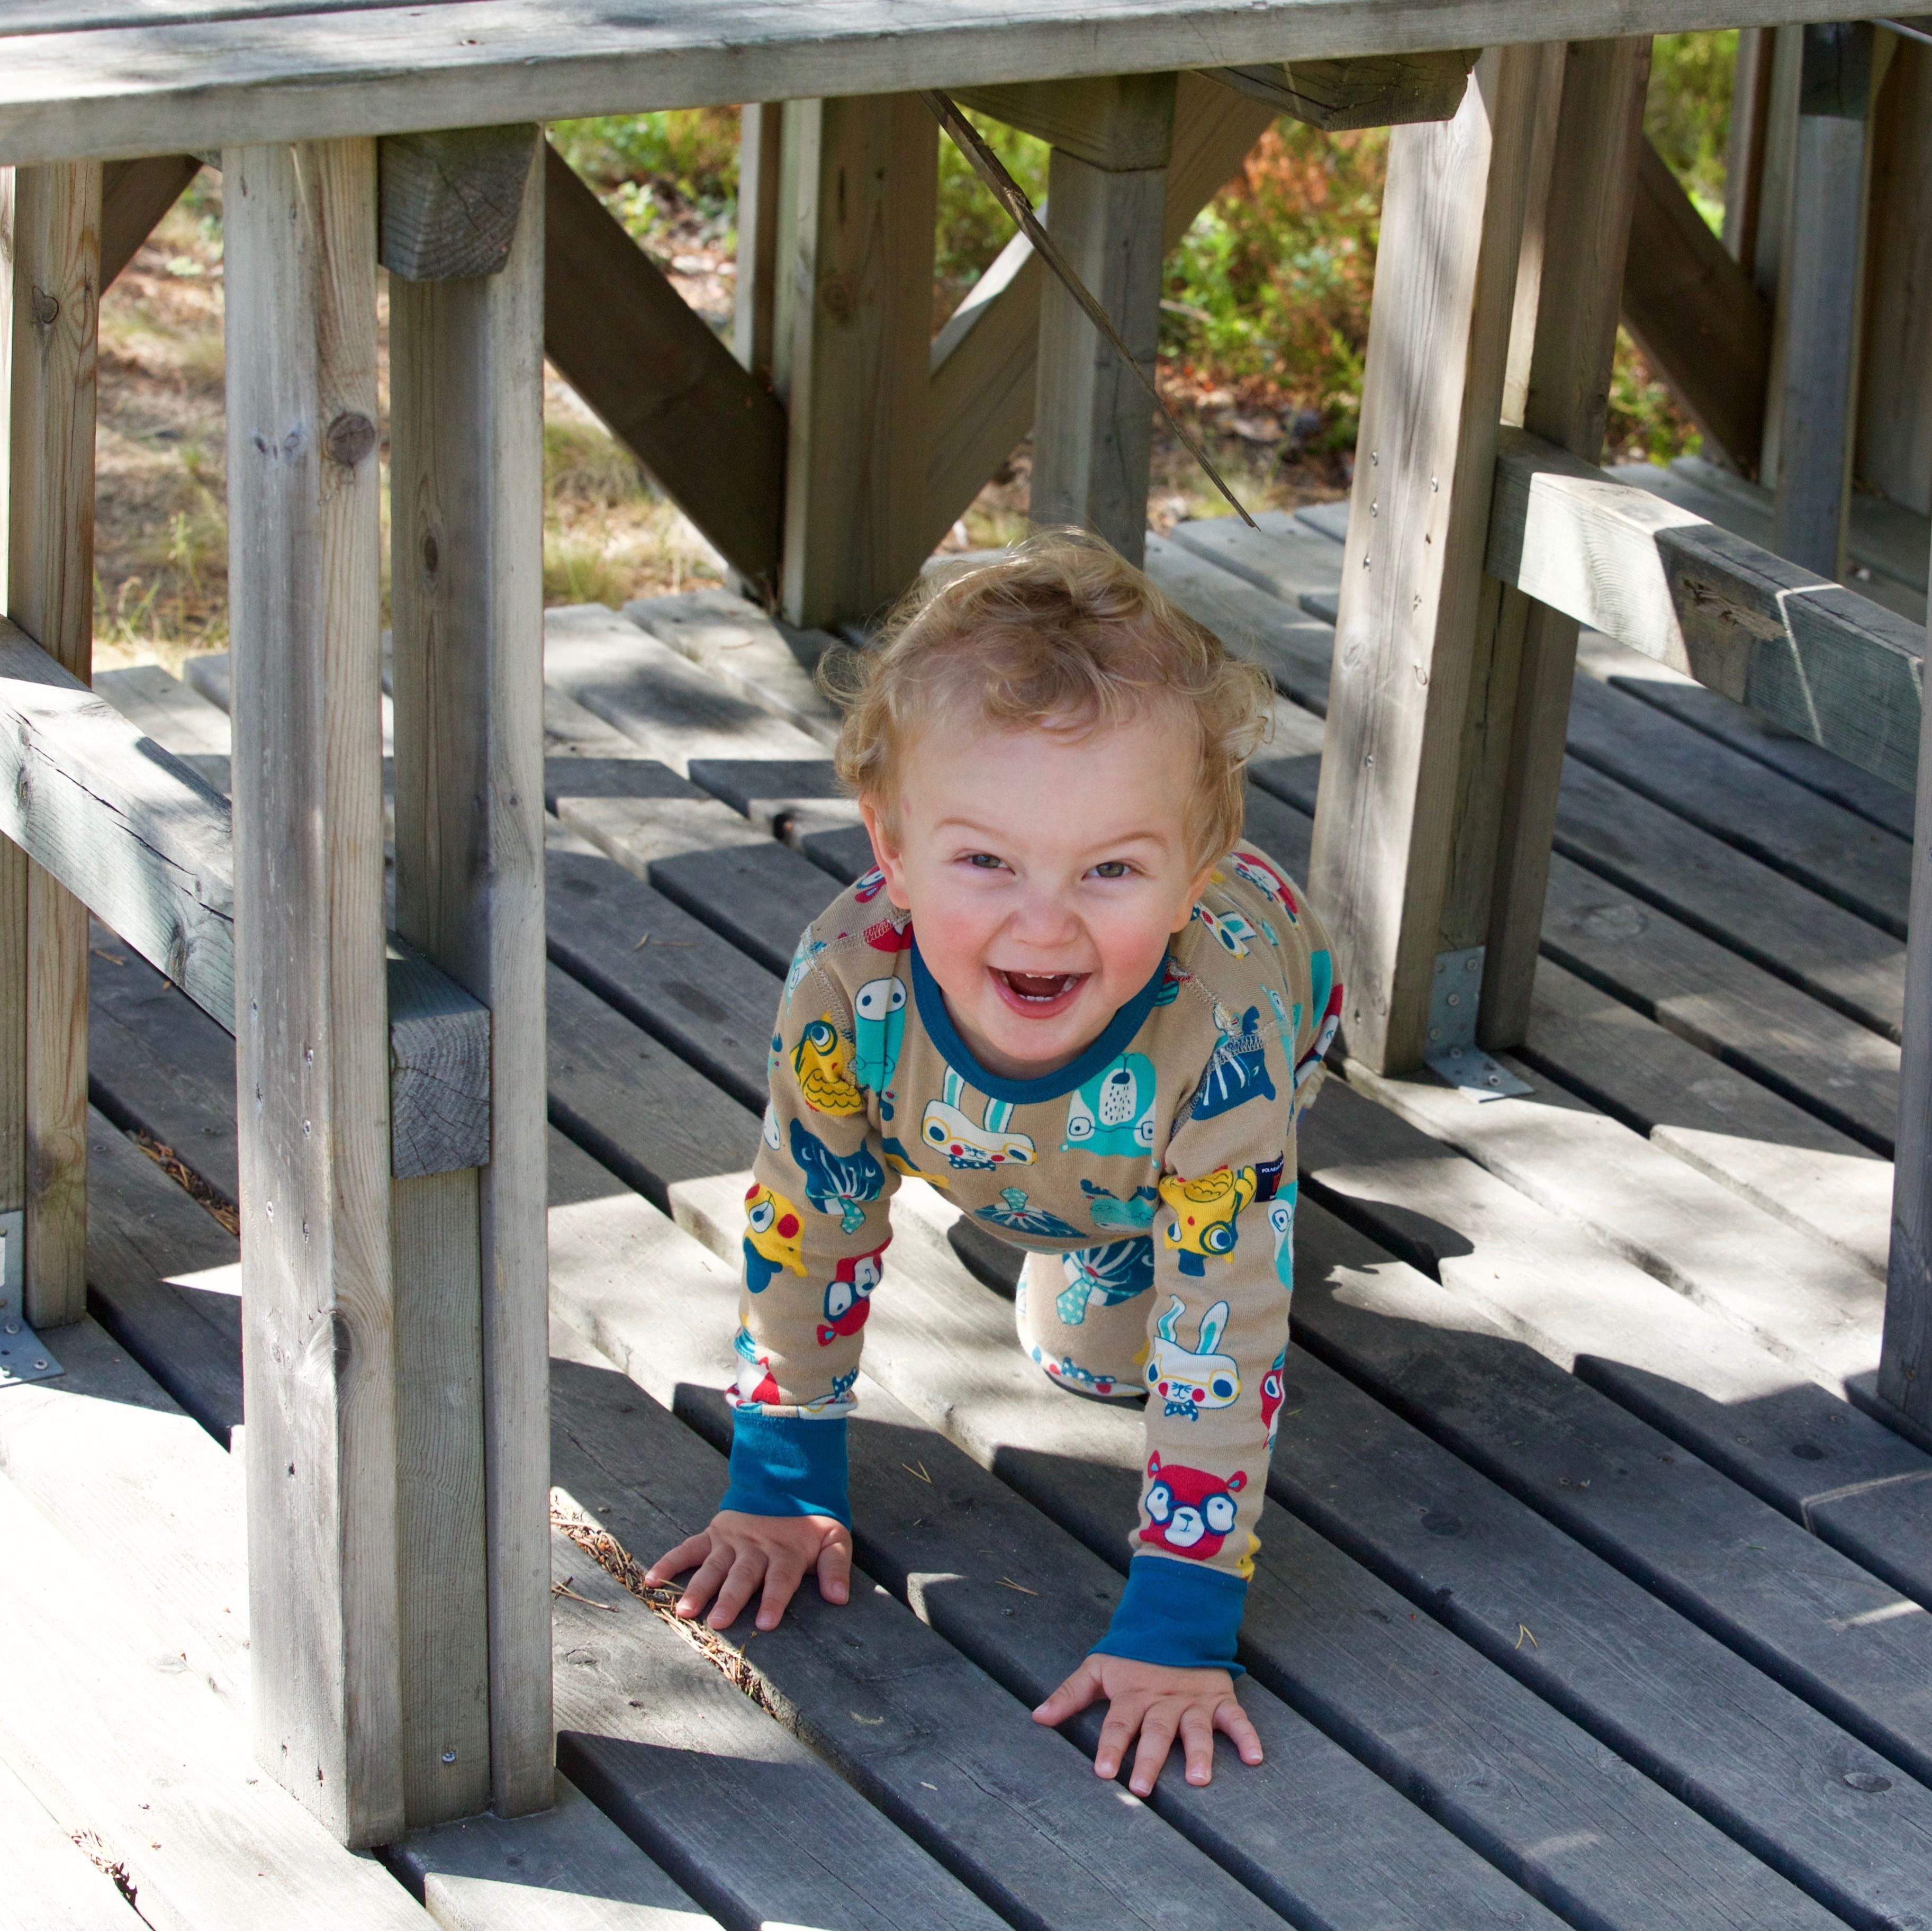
52, 1884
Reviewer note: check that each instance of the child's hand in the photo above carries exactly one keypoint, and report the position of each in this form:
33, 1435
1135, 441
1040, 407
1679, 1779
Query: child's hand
740, 1552
1157, 1703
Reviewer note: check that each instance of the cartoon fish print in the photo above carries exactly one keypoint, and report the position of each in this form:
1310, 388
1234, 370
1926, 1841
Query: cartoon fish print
1109, 1210
1068, 1369
1192, 1381
1230, 930
1328, 1002
1172, 978
1284, 1024
866, 889
1238, 1071
1110, 1275
1190, 1512
809, 949
836, 1183
837, 1400
1281, 1224
946, 1129
1014, 1212
1273, 1390
900, 1161
822, 1062
1270, 883
756, 1384
1204, 1212
878, 1027
768, 1131
1113, 1112
772, 1237
887, 936
848, 1296
1268, 933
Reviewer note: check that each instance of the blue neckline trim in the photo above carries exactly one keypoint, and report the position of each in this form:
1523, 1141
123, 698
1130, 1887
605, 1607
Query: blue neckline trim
1101, 1054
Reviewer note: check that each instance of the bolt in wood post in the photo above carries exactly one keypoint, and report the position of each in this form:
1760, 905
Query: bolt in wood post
1093, 422
1519, 708
467, 467
1406, 642
1818, 297
54, 243
867, 174
311, 1027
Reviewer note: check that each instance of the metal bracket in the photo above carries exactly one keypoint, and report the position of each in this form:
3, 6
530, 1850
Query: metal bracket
1452, 1053
23, 1355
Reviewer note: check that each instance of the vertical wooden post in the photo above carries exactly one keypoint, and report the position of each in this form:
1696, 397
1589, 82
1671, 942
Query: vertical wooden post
1818, 297
311, 1033
1520, 711
1905, 1354
760, 169
1412, 573
1093, 422
867, 169
55, 247
1744, 161
466, 466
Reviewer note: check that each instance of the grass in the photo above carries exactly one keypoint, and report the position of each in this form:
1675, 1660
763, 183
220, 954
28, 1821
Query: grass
1264, 329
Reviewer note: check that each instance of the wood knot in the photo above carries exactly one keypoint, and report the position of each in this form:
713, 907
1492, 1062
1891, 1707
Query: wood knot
46, 308
349, 440
840, 302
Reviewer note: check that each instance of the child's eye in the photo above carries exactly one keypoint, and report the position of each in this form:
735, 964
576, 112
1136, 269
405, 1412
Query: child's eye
1112, 868
986, 861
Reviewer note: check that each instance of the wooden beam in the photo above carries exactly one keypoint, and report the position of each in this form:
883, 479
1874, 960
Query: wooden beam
467, 467
449, 200
1818, 297
1519, 717
1093, 422
1406, 640
867, 169
56, 247
318, 1300
1121, 121
1905, 1353
983, 361
134, 196
181, 75
1694, 312
712, 436
1368, 90
1743, 159
134, 834
761, 167
1816, 658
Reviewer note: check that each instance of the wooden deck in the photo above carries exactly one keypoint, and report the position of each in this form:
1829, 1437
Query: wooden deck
1592, 1592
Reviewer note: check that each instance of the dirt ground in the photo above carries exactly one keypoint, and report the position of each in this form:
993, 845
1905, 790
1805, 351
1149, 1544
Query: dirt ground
160, 519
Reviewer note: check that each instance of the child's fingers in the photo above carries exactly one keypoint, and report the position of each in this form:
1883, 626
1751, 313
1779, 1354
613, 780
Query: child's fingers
688, 1554
1124, 1719
748, 1571
1197, 1740
1072, 1696
1231, 1720
702, 1587
783, 1574
834, 1567
1157, 1729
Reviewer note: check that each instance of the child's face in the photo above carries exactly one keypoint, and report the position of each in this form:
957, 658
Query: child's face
1044, 875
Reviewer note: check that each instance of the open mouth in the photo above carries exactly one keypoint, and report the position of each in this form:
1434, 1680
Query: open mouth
1037, 994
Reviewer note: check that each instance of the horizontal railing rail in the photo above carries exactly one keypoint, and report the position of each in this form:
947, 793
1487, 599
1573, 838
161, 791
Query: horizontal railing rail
134, 834
1816, 658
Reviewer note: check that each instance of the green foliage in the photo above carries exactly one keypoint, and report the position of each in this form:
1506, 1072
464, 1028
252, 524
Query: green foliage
649, 168
972, 226
1687, 112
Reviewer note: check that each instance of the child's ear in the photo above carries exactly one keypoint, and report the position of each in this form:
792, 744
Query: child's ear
886, 853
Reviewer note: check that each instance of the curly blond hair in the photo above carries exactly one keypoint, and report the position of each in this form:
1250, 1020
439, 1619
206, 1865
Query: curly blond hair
1061, 633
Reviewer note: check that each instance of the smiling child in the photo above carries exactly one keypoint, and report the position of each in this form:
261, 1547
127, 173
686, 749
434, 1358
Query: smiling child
1069, 997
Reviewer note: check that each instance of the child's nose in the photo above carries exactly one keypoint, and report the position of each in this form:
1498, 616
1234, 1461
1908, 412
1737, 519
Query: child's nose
1045, 918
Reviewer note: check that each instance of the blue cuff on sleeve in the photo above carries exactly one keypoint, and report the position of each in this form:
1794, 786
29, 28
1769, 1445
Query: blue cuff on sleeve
1177, 1613
784, 1465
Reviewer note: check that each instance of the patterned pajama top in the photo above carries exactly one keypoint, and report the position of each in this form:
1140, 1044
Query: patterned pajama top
1160, 1163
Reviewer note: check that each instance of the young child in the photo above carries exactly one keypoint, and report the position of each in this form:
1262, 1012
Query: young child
1072, 1000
